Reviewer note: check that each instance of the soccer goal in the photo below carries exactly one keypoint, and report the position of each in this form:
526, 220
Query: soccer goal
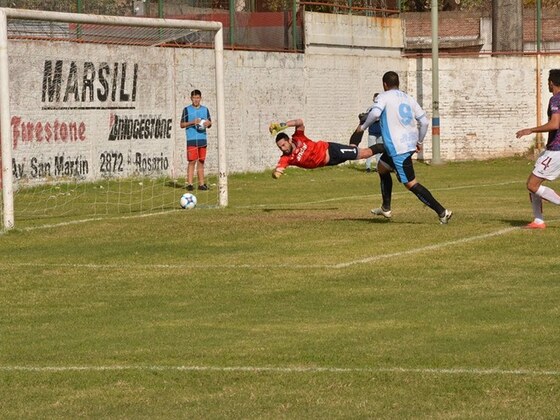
90, 110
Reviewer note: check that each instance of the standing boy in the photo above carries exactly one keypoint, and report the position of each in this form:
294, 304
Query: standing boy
196, 119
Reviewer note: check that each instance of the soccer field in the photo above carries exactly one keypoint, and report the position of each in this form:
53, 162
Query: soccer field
294, 302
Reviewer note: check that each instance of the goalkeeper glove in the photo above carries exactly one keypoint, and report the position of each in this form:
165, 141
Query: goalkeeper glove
275, 127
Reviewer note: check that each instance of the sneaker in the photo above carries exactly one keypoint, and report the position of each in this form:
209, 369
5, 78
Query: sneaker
203, 187
190, 187
535, 225
380, 212
368, 170
446, 216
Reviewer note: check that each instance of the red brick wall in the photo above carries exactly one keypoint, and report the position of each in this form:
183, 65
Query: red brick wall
453, 24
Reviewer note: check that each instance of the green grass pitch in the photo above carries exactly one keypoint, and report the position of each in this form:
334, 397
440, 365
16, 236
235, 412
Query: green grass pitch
293, 302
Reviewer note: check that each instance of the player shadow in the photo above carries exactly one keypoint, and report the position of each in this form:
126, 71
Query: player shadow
271, 209
523, 223
175, 184
383, 221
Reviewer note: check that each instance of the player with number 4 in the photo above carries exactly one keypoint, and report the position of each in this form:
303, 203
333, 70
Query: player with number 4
547, 166
400, 115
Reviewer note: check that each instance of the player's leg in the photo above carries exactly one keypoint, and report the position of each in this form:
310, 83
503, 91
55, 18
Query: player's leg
191, 159
371, 142
378, 141
547, 167
356, 138
200, 168
405, 172
538, 219
338, 153
384, 168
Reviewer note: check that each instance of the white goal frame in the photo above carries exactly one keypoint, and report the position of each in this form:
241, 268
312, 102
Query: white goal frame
5, 135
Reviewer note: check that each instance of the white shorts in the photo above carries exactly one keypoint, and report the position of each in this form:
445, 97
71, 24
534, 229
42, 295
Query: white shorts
547, 165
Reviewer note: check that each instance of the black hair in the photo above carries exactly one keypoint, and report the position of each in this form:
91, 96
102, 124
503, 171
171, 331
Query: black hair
196, 92
391, 79
281, 136
554, 77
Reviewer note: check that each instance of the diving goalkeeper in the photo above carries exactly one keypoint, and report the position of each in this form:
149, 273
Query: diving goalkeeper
305, 153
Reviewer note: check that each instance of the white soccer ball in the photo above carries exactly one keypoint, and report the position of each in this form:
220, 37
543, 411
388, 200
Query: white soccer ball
201, 125
188, 201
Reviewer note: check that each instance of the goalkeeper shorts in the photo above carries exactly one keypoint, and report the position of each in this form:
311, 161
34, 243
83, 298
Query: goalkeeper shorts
339, 153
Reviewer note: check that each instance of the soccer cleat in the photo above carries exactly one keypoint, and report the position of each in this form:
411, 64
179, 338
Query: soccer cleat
380, 212
535, 225
190, 187
446, 216
203, 187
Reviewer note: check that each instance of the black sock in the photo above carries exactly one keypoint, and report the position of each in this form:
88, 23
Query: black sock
377, 148
427, 198
386, 190
356, 138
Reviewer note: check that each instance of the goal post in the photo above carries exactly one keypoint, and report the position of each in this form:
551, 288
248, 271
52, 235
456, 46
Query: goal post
161, 33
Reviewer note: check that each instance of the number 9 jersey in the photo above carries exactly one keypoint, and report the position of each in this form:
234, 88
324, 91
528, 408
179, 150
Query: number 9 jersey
400, 115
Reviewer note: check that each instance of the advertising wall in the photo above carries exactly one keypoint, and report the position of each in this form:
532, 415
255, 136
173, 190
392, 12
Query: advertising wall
93, 111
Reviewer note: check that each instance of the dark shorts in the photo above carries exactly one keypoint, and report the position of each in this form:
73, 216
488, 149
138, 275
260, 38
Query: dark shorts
339, 153
401, 164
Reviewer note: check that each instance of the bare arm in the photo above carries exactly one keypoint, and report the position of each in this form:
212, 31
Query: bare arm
552, 124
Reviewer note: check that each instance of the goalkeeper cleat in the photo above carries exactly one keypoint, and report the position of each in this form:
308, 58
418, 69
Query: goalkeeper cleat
535, 225
190, 187
444, 219
380, 212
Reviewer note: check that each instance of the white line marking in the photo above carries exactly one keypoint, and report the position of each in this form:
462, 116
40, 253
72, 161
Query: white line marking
261, 266
287, 369
427, 248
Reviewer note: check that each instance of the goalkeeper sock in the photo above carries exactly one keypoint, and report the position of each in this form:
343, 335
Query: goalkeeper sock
356, 138
427, 198
377, 148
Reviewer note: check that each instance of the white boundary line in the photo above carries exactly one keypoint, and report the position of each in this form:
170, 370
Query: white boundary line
294, 369
343, 265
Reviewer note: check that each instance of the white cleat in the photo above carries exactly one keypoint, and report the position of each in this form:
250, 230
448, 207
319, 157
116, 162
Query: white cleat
446, 216
380, 212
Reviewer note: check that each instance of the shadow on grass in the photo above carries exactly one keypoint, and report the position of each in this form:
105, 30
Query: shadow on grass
176, 184
271, 209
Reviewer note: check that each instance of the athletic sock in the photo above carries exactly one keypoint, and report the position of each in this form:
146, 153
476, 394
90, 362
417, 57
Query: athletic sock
356, 138
386, 190
427, 198
377, 149
536, 204
548, 194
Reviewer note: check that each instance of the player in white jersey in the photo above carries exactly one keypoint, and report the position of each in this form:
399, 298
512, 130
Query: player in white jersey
403, 126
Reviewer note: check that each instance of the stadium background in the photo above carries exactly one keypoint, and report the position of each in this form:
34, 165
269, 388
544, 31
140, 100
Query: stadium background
328, 77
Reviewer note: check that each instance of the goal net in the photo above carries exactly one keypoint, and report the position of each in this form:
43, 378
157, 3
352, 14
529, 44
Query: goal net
90, 112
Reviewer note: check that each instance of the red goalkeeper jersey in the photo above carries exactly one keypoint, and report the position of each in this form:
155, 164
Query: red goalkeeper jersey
307, 153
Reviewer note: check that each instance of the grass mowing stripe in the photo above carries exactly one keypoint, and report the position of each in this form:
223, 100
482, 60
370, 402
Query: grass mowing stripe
294, 369
300, 266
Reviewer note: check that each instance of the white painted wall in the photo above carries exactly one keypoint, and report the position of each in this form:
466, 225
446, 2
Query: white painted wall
483, 100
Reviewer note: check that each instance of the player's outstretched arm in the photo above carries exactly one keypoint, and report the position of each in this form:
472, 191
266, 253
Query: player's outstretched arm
276, 127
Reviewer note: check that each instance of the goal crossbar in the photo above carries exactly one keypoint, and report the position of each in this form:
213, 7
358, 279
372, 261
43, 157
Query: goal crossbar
77, 18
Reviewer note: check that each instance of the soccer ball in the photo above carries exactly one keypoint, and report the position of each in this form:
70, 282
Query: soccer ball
188, 201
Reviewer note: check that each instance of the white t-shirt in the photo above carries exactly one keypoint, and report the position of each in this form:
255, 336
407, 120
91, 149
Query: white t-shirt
399, 115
